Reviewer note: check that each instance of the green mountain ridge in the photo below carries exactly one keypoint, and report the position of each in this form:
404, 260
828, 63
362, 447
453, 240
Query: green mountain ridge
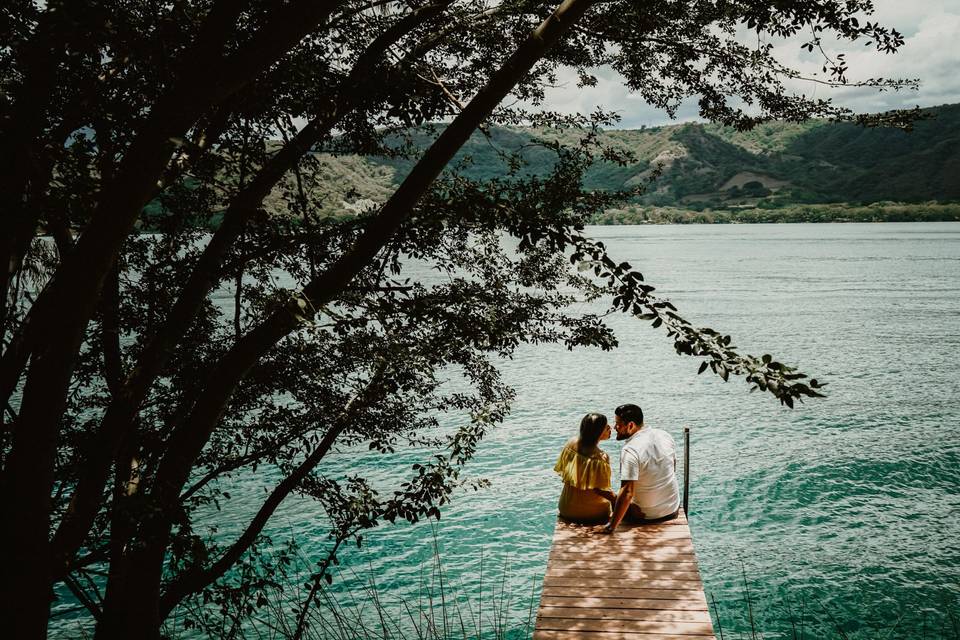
707, 166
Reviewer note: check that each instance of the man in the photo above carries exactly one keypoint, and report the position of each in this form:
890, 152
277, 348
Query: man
648, 465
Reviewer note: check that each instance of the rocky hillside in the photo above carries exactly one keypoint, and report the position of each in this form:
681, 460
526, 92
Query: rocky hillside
708, 166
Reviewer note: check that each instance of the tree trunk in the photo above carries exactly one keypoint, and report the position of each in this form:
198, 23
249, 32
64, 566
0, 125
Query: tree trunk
126, 484
60, 316
41, 54
189, 438
131, 610
125, 404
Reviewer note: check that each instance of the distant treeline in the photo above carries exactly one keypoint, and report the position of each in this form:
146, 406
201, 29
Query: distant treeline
814, 171
878, 212
707, 166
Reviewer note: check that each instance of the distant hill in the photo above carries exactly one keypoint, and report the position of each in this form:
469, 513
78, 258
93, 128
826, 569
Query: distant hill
708, 167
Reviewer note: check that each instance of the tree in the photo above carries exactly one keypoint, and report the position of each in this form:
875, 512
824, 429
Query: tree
755, 189
128, 393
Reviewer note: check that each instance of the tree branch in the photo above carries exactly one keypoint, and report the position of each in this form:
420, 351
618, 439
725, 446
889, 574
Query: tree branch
82, 597
189, 438
156, 353
192, 582
57, 321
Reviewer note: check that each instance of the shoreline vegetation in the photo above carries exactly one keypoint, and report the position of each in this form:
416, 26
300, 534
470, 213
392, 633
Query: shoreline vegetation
696, 173
688, 173
799, 213
791, 214
638, 214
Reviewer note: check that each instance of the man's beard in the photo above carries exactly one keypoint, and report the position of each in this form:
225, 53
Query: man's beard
622, 436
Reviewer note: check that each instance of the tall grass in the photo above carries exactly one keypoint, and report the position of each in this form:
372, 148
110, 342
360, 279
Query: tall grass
355, 607
805, 617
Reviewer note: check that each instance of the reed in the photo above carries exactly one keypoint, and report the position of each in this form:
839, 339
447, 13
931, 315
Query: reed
803, 618
355, 607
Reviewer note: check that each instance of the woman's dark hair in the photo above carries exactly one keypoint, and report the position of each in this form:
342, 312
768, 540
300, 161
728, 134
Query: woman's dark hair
591, 427
629, 413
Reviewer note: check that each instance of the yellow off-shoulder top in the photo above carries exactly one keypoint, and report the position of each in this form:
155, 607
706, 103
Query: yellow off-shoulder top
583, 472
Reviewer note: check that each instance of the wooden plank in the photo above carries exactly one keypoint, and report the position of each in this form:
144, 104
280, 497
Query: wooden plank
651, 593
618, 540
571, 557
623, 531
611, 635
677, 627
622, 536
656, 615
668, 532
560, 571
637, 550
666, 537
624, 563
635, 547
619, 602
611, 584
642, 583
680, 519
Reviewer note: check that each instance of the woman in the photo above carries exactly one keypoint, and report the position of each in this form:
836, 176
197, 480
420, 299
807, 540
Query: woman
585, 470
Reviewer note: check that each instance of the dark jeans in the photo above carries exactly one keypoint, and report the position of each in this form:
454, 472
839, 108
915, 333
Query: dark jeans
632, 516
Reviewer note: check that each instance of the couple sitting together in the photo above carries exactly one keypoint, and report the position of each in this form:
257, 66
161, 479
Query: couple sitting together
648, 482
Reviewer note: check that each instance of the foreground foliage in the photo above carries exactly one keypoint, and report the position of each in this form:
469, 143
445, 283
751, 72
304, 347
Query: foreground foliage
877, 212
140, 371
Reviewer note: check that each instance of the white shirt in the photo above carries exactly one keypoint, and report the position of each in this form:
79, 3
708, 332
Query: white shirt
649, 457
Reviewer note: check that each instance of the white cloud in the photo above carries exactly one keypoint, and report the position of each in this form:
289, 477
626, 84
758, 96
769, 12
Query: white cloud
611, 95
931, 54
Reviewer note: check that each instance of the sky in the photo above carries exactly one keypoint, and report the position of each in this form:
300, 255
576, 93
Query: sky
931, 53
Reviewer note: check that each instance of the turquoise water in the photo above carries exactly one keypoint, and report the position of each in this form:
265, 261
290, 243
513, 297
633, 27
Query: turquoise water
847, 507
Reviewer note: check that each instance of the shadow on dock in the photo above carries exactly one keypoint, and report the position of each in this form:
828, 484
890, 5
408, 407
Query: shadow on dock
642, 583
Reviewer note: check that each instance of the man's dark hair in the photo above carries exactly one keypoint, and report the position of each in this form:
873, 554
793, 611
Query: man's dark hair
630, 413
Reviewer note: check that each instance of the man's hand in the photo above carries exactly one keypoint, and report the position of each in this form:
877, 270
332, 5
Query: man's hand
624, 498
610, 496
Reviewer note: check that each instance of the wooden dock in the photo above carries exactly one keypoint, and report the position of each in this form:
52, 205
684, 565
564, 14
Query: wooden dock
640, 584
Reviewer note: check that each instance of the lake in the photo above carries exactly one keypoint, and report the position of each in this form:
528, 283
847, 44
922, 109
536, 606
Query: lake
845, 508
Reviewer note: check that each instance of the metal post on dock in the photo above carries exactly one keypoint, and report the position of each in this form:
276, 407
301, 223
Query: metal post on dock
686, 467
650, 602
